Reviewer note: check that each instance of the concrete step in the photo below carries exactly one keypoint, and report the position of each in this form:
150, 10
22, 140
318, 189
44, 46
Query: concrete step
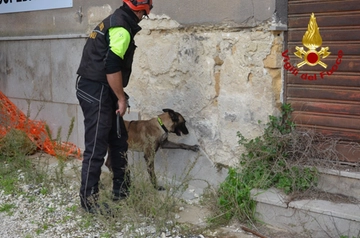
342, 182
315, 218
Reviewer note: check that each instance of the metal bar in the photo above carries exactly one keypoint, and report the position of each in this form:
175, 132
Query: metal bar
43, 37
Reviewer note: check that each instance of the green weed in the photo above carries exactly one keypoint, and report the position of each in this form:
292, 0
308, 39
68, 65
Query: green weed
7, 183
7, 207
16, 143
72, 208
265, 164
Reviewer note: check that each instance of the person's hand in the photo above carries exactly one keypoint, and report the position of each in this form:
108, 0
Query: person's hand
122, 106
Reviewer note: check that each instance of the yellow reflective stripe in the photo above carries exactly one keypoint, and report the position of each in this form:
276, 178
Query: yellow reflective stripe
119, 40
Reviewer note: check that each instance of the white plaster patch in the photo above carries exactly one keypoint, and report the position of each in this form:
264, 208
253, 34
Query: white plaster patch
96, 14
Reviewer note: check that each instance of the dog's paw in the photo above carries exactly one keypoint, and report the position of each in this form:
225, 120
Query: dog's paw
195, 148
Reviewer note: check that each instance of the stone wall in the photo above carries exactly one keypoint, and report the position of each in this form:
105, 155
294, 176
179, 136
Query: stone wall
222, 81
223, 78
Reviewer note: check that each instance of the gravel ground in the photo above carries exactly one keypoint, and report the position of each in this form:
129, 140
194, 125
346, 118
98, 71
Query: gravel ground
42, 215
56, 214
39, 213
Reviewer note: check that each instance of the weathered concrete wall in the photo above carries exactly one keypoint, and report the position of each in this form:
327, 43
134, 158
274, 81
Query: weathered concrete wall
223, 81
235, 13
41, 74
222, 77
85, 13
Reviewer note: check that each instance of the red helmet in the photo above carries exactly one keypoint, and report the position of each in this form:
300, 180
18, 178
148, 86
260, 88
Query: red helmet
138, 5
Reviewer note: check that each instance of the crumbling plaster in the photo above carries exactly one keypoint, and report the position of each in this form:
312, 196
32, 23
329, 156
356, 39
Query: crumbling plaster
222, 79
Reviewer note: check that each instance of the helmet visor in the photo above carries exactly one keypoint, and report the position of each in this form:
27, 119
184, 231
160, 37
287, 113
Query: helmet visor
143, 5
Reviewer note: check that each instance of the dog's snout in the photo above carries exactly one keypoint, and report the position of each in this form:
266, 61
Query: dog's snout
184, 129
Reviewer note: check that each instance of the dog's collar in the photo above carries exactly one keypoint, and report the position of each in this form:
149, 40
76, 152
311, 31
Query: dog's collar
162, 125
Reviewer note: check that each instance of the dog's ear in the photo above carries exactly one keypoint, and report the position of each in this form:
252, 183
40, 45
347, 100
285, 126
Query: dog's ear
168, 110
174, 116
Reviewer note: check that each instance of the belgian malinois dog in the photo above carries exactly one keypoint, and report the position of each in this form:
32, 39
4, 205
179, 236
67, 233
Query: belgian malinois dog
149, 135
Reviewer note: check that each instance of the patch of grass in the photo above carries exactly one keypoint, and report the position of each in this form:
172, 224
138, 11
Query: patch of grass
18, 170
72, 208
66, 219
31, 198
44, 191
106, 235
87, 222
7, 183
146, 210
50, 209
15, 165
16, 143
7, 207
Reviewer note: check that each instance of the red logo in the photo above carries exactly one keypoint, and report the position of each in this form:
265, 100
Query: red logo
311, 40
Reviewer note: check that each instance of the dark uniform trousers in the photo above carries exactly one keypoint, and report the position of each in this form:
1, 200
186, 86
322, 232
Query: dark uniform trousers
99, 104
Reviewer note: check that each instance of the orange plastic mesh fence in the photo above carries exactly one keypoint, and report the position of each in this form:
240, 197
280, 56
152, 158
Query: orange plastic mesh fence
12, 117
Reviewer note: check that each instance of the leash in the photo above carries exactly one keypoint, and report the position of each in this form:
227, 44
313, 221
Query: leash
118, 129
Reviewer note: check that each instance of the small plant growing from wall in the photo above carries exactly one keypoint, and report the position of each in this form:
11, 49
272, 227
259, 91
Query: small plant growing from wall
264, 164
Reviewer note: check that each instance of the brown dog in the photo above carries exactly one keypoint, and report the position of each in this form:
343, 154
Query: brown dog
149, 135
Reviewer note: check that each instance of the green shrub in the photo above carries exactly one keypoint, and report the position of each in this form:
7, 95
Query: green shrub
265, 164
16, 142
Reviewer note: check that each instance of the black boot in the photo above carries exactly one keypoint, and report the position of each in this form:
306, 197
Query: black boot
119, 195
91, 205
121, 187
